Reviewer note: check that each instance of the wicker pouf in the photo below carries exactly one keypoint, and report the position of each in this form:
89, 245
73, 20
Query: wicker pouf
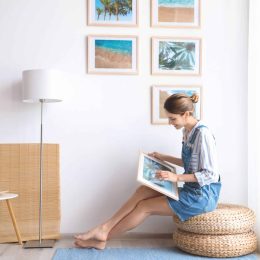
226, 219
224, 232
216, 245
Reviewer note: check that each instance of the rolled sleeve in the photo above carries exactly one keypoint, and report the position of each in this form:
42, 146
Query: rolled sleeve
204, 177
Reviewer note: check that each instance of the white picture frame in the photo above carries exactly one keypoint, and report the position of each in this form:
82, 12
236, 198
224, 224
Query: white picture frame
146, 175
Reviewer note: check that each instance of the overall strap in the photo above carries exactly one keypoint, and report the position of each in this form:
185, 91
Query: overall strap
195, 134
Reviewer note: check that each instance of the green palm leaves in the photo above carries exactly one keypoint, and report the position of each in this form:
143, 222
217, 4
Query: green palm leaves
99, 12
114, 8
176, 55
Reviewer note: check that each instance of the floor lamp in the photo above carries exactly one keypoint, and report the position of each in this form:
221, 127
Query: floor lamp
41, 86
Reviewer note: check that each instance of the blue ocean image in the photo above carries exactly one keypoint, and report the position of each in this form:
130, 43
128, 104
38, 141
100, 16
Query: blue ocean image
113, 10
149, 171
117, 46
188, 92
176, 3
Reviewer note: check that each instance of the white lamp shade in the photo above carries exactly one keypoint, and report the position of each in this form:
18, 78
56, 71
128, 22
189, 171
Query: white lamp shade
42, 85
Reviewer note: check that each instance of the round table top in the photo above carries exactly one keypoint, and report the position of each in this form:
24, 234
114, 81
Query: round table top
7, 196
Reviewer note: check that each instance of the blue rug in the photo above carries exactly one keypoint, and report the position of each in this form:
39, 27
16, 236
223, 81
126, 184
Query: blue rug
132, 254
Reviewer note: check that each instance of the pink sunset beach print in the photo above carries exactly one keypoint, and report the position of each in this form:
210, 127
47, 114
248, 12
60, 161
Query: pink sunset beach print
176, 11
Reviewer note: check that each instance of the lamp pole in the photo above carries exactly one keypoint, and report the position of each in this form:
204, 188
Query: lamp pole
41, 166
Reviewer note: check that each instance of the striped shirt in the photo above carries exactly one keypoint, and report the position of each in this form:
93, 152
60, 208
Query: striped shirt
203, 162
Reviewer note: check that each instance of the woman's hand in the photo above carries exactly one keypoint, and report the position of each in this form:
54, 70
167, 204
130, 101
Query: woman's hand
156, 155
166, 176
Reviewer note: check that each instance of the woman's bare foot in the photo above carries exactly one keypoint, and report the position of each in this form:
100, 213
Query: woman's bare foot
99, 233
90, 244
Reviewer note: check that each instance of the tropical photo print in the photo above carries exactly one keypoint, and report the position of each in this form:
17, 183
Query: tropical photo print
175, 13
149, 172
147, 175
176, 56
112, 54
161, 93
112, 12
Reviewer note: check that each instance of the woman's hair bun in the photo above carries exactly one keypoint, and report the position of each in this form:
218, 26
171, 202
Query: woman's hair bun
194, 98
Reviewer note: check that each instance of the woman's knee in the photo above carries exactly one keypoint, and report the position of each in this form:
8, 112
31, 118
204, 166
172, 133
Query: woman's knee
143, 206
141, 190
141, 193
154, 206
144, 192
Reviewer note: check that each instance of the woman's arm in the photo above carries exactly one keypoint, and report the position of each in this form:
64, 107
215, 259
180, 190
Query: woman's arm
187, 177
173, 177
167, 158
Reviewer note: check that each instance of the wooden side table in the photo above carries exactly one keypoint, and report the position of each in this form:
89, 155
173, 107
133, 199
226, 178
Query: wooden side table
7, 197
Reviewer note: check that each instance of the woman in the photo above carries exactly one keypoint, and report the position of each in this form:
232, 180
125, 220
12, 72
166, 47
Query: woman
201, 179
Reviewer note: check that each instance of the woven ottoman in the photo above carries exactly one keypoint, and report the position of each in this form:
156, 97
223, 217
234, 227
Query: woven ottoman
224, 232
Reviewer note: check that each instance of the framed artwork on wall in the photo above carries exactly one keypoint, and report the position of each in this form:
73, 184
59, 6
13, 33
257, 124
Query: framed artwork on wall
112, 54
176, 56
175, 13
162, 92
113, 12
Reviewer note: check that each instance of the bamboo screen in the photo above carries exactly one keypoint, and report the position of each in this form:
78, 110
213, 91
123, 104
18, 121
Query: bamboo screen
20, 173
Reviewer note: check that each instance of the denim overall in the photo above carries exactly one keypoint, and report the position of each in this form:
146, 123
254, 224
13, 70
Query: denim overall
194, 199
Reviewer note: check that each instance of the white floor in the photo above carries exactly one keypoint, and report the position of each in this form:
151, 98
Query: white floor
14, 251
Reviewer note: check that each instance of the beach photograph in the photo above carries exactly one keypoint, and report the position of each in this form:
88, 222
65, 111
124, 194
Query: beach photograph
116, 54
178, 11
174, 13
112, 12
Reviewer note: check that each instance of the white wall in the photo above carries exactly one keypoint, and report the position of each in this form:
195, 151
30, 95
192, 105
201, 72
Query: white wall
105, 120
253, 113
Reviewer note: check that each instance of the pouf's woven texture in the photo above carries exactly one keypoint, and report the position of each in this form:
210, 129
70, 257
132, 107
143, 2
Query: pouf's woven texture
226, 219
216, 245
224, 232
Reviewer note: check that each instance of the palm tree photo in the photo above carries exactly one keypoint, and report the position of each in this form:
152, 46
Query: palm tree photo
115, 10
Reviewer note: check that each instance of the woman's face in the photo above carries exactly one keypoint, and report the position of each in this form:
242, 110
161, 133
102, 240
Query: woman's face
177, 120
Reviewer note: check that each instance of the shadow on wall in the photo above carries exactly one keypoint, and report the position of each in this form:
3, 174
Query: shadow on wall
10, 93
13, 110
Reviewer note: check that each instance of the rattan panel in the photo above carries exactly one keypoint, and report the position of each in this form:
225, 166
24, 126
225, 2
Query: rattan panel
19, 173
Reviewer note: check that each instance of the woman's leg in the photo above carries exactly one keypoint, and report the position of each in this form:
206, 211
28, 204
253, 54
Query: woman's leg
154, 206
101, 232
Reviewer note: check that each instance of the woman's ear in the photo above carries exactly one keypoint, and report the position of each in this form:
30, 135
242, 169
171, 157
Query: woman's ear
186, 114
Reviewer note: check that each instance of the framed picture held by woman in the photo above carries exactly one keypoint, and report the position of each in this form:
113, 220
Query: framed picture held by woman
147, 175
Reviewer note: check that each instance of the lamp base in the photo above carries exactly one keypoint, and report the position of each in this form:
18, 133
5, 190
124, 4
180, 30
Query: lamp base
46, 243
